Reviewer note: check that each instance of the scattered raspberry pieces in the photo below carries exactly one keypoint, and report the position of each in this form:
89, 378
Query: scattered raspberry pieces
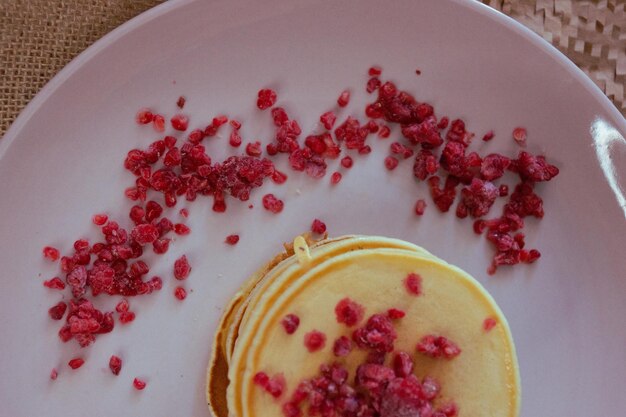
275, 385
489, 323
145, 233
377, 335
115, 365
76, 363
266, 98
181, 268
519, 136
99, 219
534, 168
54, 284
477, 198
318, 227
180, 293
374, 71
493, 166
290, 323
232, 239
181, 102
420, 207
349, 312
126, 317
391, 162
335, 178
488, 136
254, 149
273, 204
158, 122
180, 122
144, 116
181, 229
328, 120
347, 162
402, 364
413, 284
344, 98
314, 340
437, 347
139, 384
51, 253
54, 374
395, 314
57, 311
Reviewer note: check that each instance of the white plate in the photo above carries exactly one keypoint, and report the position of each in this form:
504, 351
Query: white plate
61, 162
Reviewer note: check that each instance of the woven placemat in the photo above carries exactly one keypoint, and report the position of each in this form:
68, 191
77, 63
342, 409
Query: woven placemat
39, 37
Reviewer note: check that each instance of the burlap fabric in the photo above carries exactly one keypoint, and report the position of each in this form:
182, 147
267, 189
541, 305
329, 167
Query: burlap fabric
39, 37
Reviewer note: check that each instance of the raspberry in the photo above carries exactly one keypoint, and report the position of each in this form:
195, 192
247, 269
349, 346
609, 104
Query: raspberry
122, 306
534, 168
443, 198
394, 313
364, 150
158, 122
180, 122
253, 149
127, 317
54, 374
488, 136
51, 253
181, 268
399, 149
519, 135
279, 177
346, 162
232, 239
57, 311
160, 246
437, 347
373, 84
413, 284
261, 379
181, 229
378, 334
273, 204
139, 384
344, 98
328, 120
235, 139
266, 98
115, 365
54, 284
76, 363
425, 164
425, 133
489, 323
349, 312
477, 199
172, 157
342, 346
276, 385
374, 71
420, 207
290, 323
181, 102
493, 166
314, 340
352, 133
99, 219
144, 116
443, 123
318, 226
335, 178
145, 233
384, 132
180, 293
391, 163
402, 364
235, 124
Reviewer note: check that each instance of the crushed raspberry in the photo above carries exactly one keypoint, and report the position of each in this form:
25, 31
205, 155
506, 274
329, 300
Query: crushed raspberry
425, 165
349, 312
375, 71
395, 314
399, 149
328, 120
443, 198
76, 363
144, 116
253, 149
391, 163
372, 85
115, 365
519, 136
420, 207
352, 134
232, 239
290, 323
493, 166
126, 317
402, 364
364, 150
335, 178
347, 162
314, 340
51, 253
342, 346
180, 122
276, 385
84, 322
344, 98
158, 122
437, 347
235, 139
99, 219
266, 98
488, 136
54, 374
477, 198
181, 229
180, 103
180, 293
235, 124
384, 132
139, 384
273, 204
489, 323
54, 284
261, 379
279, 177
57, 311
122, 306
503, 190
413, 284
318, 227
378, 334
181, 268
145, 233
534, 168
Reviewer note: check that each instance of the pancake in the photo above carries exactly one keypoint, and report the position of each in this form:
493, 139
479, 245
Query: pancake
310, 281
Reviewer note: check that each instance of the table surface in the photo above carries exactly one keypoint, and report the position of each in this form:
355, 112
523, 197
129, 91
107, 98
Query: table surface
39, 37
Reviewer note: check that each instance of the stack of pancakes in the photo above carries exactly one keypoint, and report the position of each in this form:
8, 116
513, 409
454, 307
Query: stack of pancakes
310, 278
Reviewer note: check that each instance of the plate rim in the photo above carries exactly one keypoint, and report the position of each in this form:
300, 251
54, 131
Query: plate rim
159, 10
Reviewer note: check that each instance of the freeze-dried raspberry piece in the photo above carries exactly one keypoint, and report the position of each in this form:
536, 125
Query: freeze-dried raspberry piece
534, 168
425, 164
477, 198
443, 198
493, 166
437, 347
425, 133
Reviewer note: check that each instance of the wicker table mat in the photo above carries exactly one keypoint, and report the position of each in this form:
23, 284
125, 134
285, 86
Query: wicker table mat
39, 37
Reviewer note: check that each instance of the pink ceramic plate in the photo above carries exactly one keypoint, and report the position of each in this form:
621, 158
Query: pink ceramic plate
61, 162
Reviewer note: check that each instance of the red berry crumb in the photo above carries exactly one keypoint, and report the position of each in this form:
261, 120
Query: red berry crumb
349, 312
158, 122
335, 178
519, 135
266, 98
391, 163
314, 340
318, 227
328, 119
420, 207
413, 284
290, 323
181, 102
181, 229
57, 311
346, 162
273, 204
122, 306
115, 364
54, 374
181, 268
76, 363
54, 284
375, 71
180, 293
184, 212
488, 136
279, 177
99, 219
139, 384
127, 317
261, 379
254, 148
489, 323
232, 239
276, 385
384, 132
437, 347
51, 253
144, 116
344, 98
342, 346
395, 314
180, 122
